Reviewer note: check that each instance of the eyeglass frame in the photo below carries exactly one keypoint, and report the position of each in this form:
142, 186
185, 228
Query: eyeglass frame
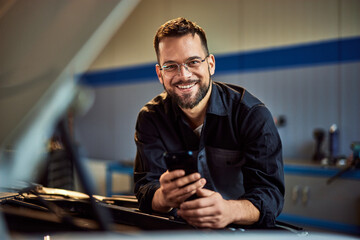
184, 64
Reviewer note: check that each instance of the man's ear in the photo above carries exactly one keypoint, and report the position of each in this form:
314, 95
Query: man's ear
211, 60
158, 73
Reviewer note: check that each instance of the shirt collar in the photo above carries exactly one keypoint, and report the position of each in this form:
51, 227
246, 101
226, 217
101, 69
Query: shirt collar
216, 103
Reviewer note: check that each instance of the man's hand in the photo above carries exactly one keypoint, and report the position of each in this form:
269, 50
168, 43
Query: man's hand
212, 211
175, 188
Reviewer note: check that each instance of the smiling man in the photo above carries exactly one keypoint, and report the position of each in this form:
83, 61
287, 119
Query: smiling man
230, 133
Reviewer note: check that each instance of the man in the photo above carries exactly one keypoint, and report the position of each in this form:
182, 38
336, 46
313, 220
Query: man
232, 134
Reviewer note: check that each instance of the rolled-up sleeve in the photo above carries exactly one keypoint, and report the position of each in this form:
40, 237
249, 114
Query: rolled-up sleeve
263, 170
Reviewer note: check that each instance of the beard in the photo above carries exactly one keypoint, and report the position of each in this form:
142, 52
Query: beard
186, 101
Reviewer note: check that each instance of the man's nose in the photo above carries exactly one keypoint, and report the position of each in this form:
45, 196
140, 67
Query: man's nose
184, 70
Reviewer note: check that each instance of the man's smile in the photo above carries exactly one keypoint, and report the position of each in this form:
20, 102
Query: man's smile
187, 86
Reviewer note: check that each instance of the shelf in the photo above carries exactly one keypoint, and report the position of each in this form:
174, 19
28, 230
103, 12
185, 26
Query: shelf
320, 171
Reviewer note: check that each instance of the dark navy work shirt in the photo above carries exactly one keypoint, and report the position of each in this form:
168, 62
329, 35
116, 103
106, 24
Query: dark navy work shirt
239, 151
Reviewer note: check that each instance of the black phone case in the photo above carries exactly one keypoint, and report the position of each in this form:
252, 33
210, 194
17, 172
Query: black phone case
181, 160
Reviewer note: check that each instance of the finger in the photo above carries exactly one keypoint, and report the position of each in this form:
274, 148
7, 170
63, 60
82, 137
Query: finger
171, 176
174, 199
203, 192
197, 212
193, 186
181, 198
183, 184
203, 201
182, 181
202, 220
188, 190
175, 193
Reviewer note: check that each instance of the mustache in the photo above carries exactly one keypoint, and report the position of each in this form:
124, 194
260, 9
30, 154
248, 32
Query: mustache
185, 82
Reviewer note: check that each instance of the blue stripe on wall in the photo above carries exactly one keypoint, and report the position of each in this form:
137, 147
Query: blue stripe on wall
137, 73
320, 53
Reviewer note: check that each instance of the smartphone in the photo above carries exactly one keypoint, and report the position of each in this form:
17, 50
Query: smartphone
181, 160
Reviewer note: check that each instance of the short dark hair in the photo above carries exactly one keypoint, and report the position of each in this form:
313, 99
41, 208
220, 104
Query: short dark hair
179, 27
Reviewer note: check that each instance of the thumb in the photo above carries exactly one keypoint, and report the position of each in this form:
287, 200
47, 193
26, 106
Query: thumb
202, 192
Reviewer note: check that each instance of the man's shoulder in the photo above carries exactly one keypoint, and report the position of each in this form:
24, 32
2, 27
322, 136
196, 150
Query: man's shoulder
160, 103
237, 95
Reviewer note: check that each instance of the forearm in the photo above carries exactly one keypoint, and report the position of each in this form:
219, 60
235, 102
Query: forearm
244, 212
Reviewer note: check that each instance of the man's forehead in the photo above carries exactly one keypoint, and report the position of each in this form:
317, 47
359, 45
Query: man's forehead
187, 44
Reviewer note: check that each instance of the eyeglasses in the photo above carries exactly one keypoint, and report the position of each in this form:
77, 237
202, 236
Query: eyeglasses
172, 69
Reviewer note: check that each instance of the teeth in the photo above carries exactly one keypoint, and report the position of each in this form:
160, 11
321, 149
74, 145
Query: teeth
186, 86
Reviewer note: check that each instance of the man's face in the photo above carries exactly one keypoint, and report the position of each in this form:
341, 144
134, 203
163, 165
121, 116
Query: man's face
188, 88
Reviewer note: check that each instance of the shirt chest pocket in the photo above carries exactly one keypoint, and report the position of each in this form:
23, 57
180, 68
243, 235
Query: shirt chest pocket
225, 167
224, 158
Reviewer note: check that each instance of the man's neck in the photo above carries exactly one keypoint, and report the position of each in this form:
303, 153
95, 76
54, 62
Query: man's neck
196, 115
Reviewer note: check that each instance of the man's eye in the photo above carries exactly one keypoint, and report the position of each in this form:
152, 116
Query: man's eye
193, 63
170, 67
